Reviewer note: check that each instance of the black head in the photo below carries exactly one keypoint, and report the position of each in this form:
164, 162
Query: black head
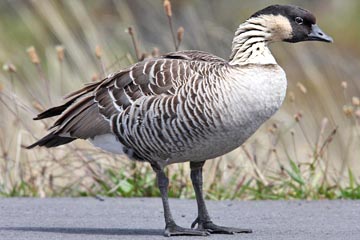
302, 22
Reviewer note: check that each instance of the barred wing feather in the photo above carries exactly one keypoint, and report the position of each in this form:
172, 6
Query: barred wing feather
94, 109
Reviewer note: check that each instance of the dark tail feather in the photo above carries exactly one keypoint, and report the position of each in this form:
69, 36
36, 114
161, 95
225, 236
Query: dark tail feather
55, 111
51, 140
73, 97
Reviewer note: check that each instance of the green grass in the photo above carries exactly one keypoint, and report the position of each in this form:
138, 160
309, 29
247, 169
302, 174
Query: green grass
288, 188
309, 150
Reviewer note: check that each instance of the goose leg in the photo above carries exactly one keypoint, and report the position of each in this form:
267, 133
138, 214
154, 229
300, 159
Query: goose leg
203, 220
171, 228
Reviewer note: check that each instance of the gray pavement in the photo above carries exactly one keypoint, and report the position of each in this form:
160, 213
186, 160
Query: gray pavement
142, 218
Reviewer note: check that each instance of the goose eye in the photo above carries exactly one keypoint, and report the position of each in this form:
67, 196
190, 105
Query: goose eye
299, 20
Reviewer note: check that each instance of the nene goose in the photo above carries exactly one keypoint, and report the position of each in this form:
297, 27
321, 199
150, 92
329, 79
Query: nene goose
187, 105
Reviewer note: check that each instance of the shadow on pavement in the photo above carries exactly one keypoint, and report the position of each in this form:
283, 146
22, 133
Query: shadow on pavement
91, 231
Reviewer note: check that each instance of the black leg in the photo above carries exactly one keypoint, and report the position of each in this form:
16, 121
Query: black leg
171, 229
203, 220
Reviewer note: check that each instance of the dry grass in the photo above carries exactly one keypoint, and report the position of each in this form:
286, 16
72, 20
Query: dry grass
310, 149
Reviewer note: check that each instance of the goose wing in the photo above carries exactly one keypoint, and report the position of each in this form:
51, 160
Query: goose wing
87, 112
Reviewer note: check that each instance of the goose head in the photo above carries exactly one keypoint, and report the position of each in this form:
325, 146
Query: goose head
275, 23
289, 24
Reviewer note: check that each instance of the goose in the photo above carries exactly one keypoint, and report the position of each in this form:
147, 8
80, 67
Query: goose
187, 106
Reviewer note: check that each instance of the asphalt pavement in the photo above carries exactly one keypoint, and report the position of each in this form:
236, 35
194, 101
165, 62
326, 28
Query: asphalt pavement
142, 218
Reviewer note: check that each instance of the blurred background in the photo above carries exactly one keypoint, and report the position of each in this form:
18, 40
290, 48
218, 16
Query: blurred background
310, 149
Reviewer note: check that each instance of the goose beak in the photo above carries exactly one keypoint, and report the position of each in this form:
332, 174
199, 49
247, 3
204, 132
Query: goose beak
317, 34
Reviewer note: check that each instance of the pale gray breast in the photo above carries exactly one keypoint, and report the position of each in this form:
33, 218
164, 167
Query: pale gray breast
254, 94
245, 99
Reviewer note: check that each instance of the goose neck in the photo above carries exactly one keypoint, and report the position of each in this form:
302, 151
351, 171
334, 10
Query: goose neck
250, 45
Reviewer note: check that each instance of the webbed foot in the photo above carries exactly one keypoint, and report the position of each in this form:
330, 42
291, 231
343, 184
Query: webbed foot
213, 228
172, 229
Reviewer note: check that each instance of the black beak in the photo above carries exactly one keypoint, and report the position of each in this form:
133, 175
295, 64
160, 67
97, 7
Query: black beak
317, 34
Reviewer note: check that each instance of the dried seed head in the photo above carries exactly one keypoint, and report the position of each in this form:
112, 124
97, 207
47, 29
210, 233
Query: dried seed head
298, 116
95, 77
155, 52
98, 51
144, 56
180, 34
344, 85
334, 131
229, 166
292, 96
271, 130
301, 87
37, 106
34, 58
9, 67
60, 52
12, 68
332, 134
348, 110
167, 8
130, 31
355, 101
292, 132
